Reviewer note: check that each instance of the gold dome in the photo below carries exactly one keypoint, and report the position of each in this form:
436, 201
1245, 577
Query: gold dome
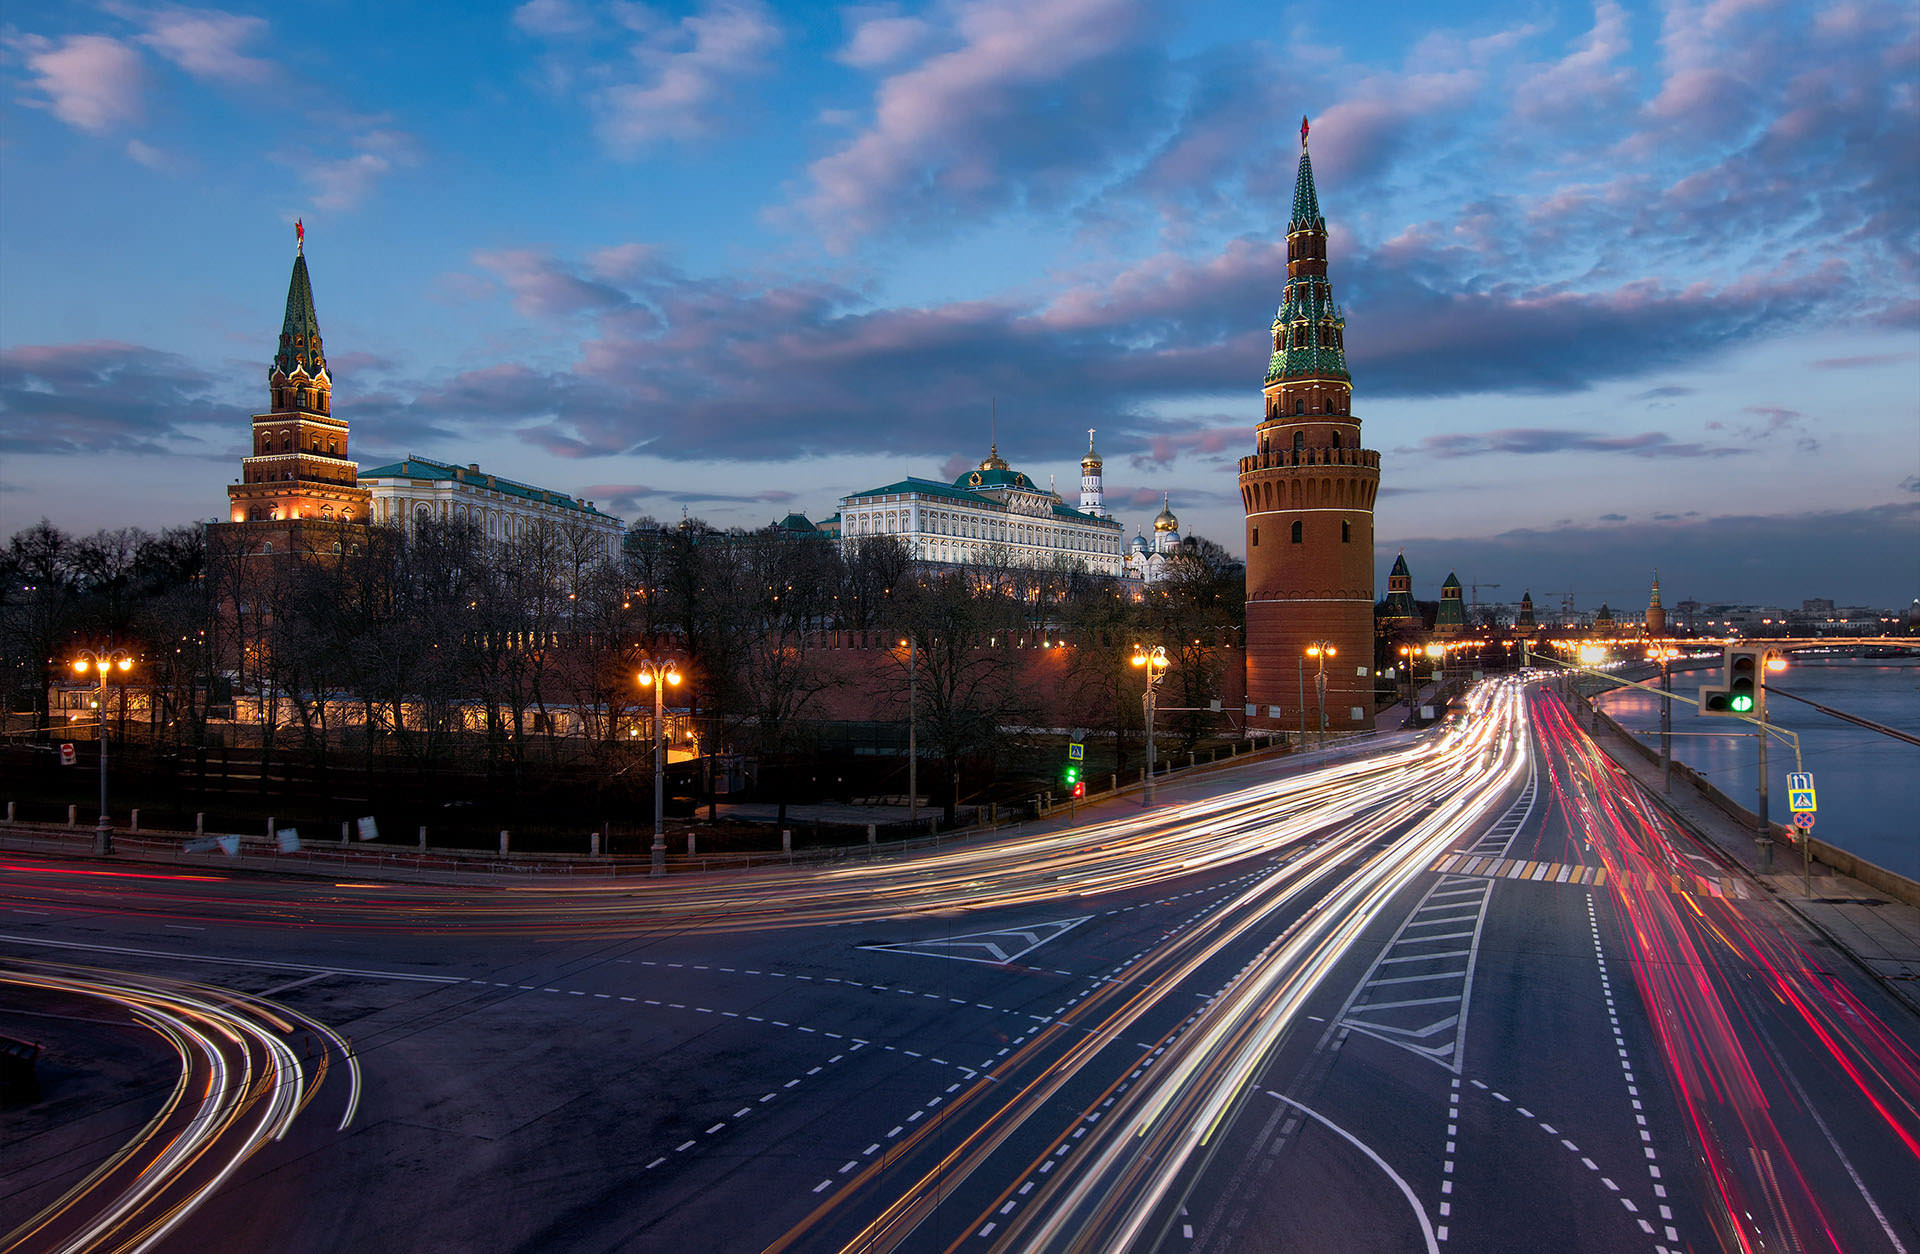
1164, 520
1092, 460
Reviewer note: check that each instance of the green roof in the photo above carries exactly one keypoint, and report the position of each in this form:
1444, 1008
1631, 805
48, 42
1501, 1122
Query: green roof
977, 479
300, 331
1400, 566
1453, 581
1306, 202
925, 487
427, 468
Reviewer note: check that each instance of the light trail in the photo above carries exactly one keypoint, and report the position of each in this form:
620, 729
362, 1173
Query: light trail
1697, 961
240, 1087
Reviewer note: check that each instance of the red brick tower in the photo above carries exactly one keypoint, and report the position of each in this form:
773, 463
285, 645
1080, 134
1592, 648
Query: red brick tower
1308, 491
298, 467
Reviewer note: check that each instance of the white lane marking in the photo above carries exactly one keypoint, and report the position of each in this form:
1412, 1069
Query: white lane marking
278, 989
1406, 1190
234, 962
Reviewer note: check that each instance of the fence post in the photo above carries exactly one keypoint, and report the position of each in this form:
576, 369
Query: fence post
270, 828
934, 824
9, 813
200, 823
690, 847
870, 837
786, 841
503, 842
423, 840
73, 816
593, 844
133, 821
343, 831
1113, 783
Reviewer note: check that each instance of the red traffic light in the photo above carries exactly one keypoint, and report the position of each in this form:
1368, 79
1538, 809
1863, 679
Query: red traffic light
1080, 789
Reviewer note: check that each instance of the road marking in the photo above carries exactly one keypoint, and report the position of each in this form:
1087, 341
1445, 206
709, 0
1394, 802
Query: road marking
261, 963
995, 948
1406, 1190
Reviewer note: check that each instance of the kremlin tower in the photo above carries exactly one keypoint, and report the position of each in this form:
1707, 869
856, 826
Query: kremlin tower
1399, 611
1656, 613
1308, 491
1452, 618
1525, 622
298, 467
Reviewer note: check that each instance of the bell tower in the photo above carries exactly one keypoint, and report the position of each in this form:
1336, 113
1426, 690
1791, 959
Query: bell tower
297, 467
1308, 491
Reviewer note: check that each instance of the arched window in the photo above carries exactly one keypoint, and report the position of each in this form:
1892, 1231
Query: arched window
286, 441
1296, 531
1299, 405
1336, 439
1299, 441
1326, 406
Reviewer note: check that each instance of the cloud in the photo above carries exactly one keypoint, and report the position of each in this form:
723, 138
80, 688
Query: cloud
1613, 518
91, 82
1528, 441
1587, 80
881, 37
343, 182
207, 43
1774, 558
1664, 392
1036, 95
689, 71
553, 19
1164, 449
1863, 361
105, 397
149, 156
541, 287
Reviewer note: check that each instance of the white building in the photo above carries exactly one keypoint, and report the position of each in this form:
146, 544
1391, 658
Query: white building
1151, 563
418, 489
990, 515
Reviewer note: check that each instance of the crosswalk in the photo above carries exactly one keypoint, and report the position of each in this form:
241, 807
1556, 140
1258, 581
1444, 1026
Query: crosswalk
1495, 868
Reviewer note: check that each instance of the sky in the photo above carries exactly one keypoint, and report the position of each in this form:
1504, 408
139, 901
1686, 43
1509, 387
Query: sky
1626, 286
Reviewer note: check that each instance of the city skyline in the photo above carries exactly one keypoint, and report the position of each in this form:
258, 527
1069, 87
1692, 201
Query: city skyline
1626, 289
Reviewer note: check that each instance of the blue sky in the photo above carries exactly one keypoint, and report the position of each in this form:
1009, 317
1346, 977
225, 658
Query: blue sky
1626, 285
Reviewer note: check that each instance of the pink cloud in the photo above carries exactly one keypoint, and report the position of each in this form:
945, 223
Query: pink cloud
689, 70
91, 82
881, 37
207, 43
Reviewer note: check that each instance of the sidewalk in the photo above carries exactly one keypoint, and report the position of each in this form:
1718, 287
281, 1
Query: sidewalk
1879, 933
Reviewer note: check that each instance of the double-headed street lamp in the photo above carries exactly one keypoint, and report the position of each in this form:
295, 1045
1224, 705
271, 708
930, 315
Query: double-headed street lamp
657, 673
1154, 662
1322, 650
103, 664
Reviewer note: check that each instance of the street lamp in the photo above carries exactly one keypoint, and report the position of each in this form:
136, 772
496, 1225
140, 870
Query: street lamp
1154, 662
1407, 653
1664, 654
657, 674
913, 728
103, 663
1322, 650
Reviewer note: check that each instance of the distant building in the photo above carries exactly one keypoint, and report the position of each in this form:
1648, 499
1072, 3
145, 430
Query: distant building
1524, 621
991, 515
1398, 612
1152, 562
418, 489
1656, 613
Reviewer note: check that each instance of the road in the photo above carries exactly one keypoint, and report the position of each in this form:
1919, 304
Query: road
1469, 992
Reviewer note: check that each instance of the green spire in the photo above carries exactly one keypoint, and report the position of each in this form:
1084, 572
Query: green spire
300, 333
1306, 202
1400, 566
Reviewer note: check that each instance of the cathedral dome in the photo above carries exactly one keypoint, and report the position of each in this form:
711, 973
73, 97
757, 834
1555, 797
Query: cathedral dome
1164, 520
1139, 544
1092, 460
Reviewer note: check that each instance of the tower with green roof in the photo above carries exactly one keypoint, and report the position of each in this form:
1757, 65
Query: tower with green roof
297, 468
1452, 618
1308, 491
1399, 609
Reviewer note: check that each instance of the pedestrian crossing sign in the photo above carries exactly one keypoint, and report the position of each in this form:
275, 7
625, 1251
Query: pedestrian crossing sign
1076, 753
1800, 800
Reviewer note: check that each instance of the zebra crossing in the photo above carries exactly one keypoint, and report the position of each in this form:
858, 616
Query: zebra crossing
1493, 868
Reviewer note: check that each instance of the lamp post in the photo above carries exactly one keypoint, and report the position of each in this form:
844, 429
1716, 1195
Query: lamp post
1664, 654
102, 663
1406, 664
657, 674
1154, 662
913, 729
1322, 650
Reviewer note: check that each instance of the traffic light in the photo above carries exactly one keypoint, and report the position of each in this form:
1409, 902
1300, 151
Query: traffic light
1079, 787
1071, 774
1739, 695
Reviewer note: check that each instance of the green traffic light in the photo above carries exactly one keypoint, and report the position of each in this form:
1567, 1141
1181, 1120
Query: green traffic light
1740, 704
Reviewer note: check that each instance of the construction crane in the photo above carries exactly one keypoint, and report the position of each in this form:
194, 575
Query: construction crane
1475, 589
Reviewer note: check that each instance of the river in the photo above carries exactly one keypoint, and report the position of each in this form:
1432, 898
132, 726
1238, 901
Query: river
1868, 784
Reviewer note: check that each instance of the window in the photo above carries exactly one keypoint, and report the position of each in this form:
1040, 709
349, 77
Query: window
1346, 532
1299, 441
1336, 435
1300, 405
1256, 538
1296, 532
1326, 407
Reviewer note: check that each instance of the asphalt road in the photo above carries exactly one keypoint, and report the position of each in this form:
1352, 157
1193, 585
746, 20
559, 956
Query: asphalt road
1470, 992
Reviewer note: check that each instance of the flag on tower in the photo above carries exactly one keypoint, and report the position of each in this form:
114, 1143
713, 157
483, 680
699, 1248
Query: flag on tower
1303, 128
300, 233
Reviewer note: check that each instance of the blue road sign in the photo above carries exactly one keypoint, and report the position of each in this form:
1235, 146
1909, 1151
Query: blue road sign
1800, 780
1076, 752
